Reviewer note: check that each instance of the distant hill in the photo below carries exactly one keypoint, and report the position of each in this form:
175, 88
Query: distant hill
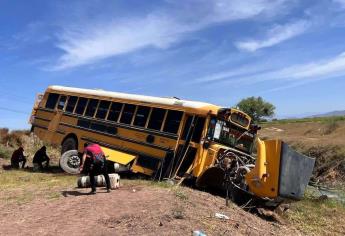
332, 113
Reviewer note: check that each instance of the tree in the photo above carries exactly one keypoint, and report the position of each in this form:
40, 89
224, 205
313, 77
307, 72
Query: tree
256, 108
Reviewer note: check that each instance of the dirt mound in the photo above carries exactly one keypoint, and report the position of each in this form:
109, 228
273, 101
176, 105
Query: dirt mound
148, 210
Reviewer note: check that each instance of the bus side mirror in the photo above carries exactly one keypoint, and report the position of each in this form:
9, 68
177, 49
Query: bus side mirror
254, 128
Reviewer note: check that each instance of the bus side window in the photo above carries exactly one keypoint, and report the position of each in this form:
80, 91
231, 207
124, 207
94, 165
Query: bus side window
72, 100
115, 111
141, 116
199, 127
52, 100
172, 122
62, 102
91, 107
156, 119
102, 109
127, 114
186, 127
81, 106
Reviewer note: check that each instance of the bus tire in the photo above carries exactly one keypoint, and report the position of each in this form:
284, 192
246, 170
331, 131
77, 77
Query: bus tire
70, 162
68, 144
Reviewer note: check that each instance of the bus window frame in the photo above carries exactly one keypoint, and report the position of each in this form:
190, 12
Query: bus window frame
134, 115
164, 119
76, 102
65, 103
163, 127
87, 106
94, 115
117, 120
87, 103
129, 104
148, 118
122, 107
99, 103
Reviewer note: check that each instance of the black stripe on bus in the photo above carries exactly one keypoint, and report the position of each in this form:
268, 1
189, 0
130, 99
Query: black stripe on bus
125, 126
46, 109
39, 118
39, 126
60, 132
118, 148
118, 137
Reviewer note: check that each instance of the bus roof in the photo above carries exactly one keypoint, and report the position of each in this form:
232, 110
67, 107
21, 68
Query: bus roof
195, 106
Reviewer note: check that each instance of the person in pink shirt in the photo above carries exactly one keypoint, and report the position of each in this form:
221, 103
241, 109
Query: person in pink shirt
98, 165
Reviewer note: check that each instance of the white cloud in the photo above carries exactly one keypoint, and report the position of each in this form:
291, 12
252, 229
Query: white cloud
84, 45
293, 76
278, 34
309, 72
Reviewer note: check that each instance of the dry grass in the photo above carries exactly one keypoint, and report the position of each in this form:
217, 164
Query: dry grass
318, 217
22, 186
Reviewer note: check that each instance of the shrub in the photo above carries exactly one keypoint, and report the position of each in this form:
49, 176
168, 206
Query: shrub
330, 126
5, 152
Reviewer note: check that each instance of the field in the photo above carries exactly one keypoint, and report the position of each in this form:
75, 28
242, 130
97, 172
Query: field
323, 139
49, 203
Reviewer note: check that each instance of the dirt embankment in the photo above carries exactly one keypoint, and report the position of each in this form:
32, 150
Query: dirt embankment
133, 210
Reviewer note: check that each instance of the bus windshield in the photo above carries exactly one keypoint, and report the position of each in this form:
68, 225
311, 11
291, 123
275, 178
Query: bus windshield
224, 132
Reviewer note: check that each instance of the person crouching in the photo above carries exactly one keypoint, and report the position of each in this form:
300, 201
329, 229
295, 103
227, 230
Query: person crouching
97, 166
40, 157
17, 158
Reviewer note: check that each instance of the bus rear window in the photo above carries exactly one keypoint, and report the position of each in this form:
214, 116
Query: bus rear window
156, 119
91, 107
141, 116
172, 122
81, 106
71, 103
127, 114
102, 109
115, 111
52, 100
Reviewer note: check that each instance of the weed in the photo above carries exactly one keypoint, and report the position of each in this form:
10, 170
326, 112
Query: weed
181, 194
330, 126
5, 152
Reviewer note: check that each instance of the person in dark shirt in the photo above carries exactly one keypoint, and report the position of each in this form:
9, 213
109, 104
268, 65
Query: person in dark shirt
17, 158
40, 157
93, 152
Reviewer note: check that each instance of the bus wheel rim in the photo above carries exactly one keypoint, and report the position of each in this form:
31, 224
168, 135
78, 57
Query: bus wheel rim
74, 161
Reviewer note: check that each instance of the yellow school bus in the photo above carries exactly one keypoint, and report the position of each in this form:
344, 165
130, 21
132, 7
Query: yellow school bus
161, 137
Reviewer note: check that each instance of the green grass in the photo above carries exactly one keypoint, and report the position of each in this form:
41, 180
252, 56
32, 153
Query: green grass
21, 186
303, 120
318, 217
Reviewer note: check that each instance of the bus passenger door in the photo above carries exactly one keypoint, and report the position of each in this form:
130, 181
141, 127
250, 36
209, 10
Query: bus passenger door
189, 147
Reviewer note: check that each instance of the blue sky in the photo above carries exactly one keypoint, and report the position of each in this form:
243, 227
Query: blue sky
290, 52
